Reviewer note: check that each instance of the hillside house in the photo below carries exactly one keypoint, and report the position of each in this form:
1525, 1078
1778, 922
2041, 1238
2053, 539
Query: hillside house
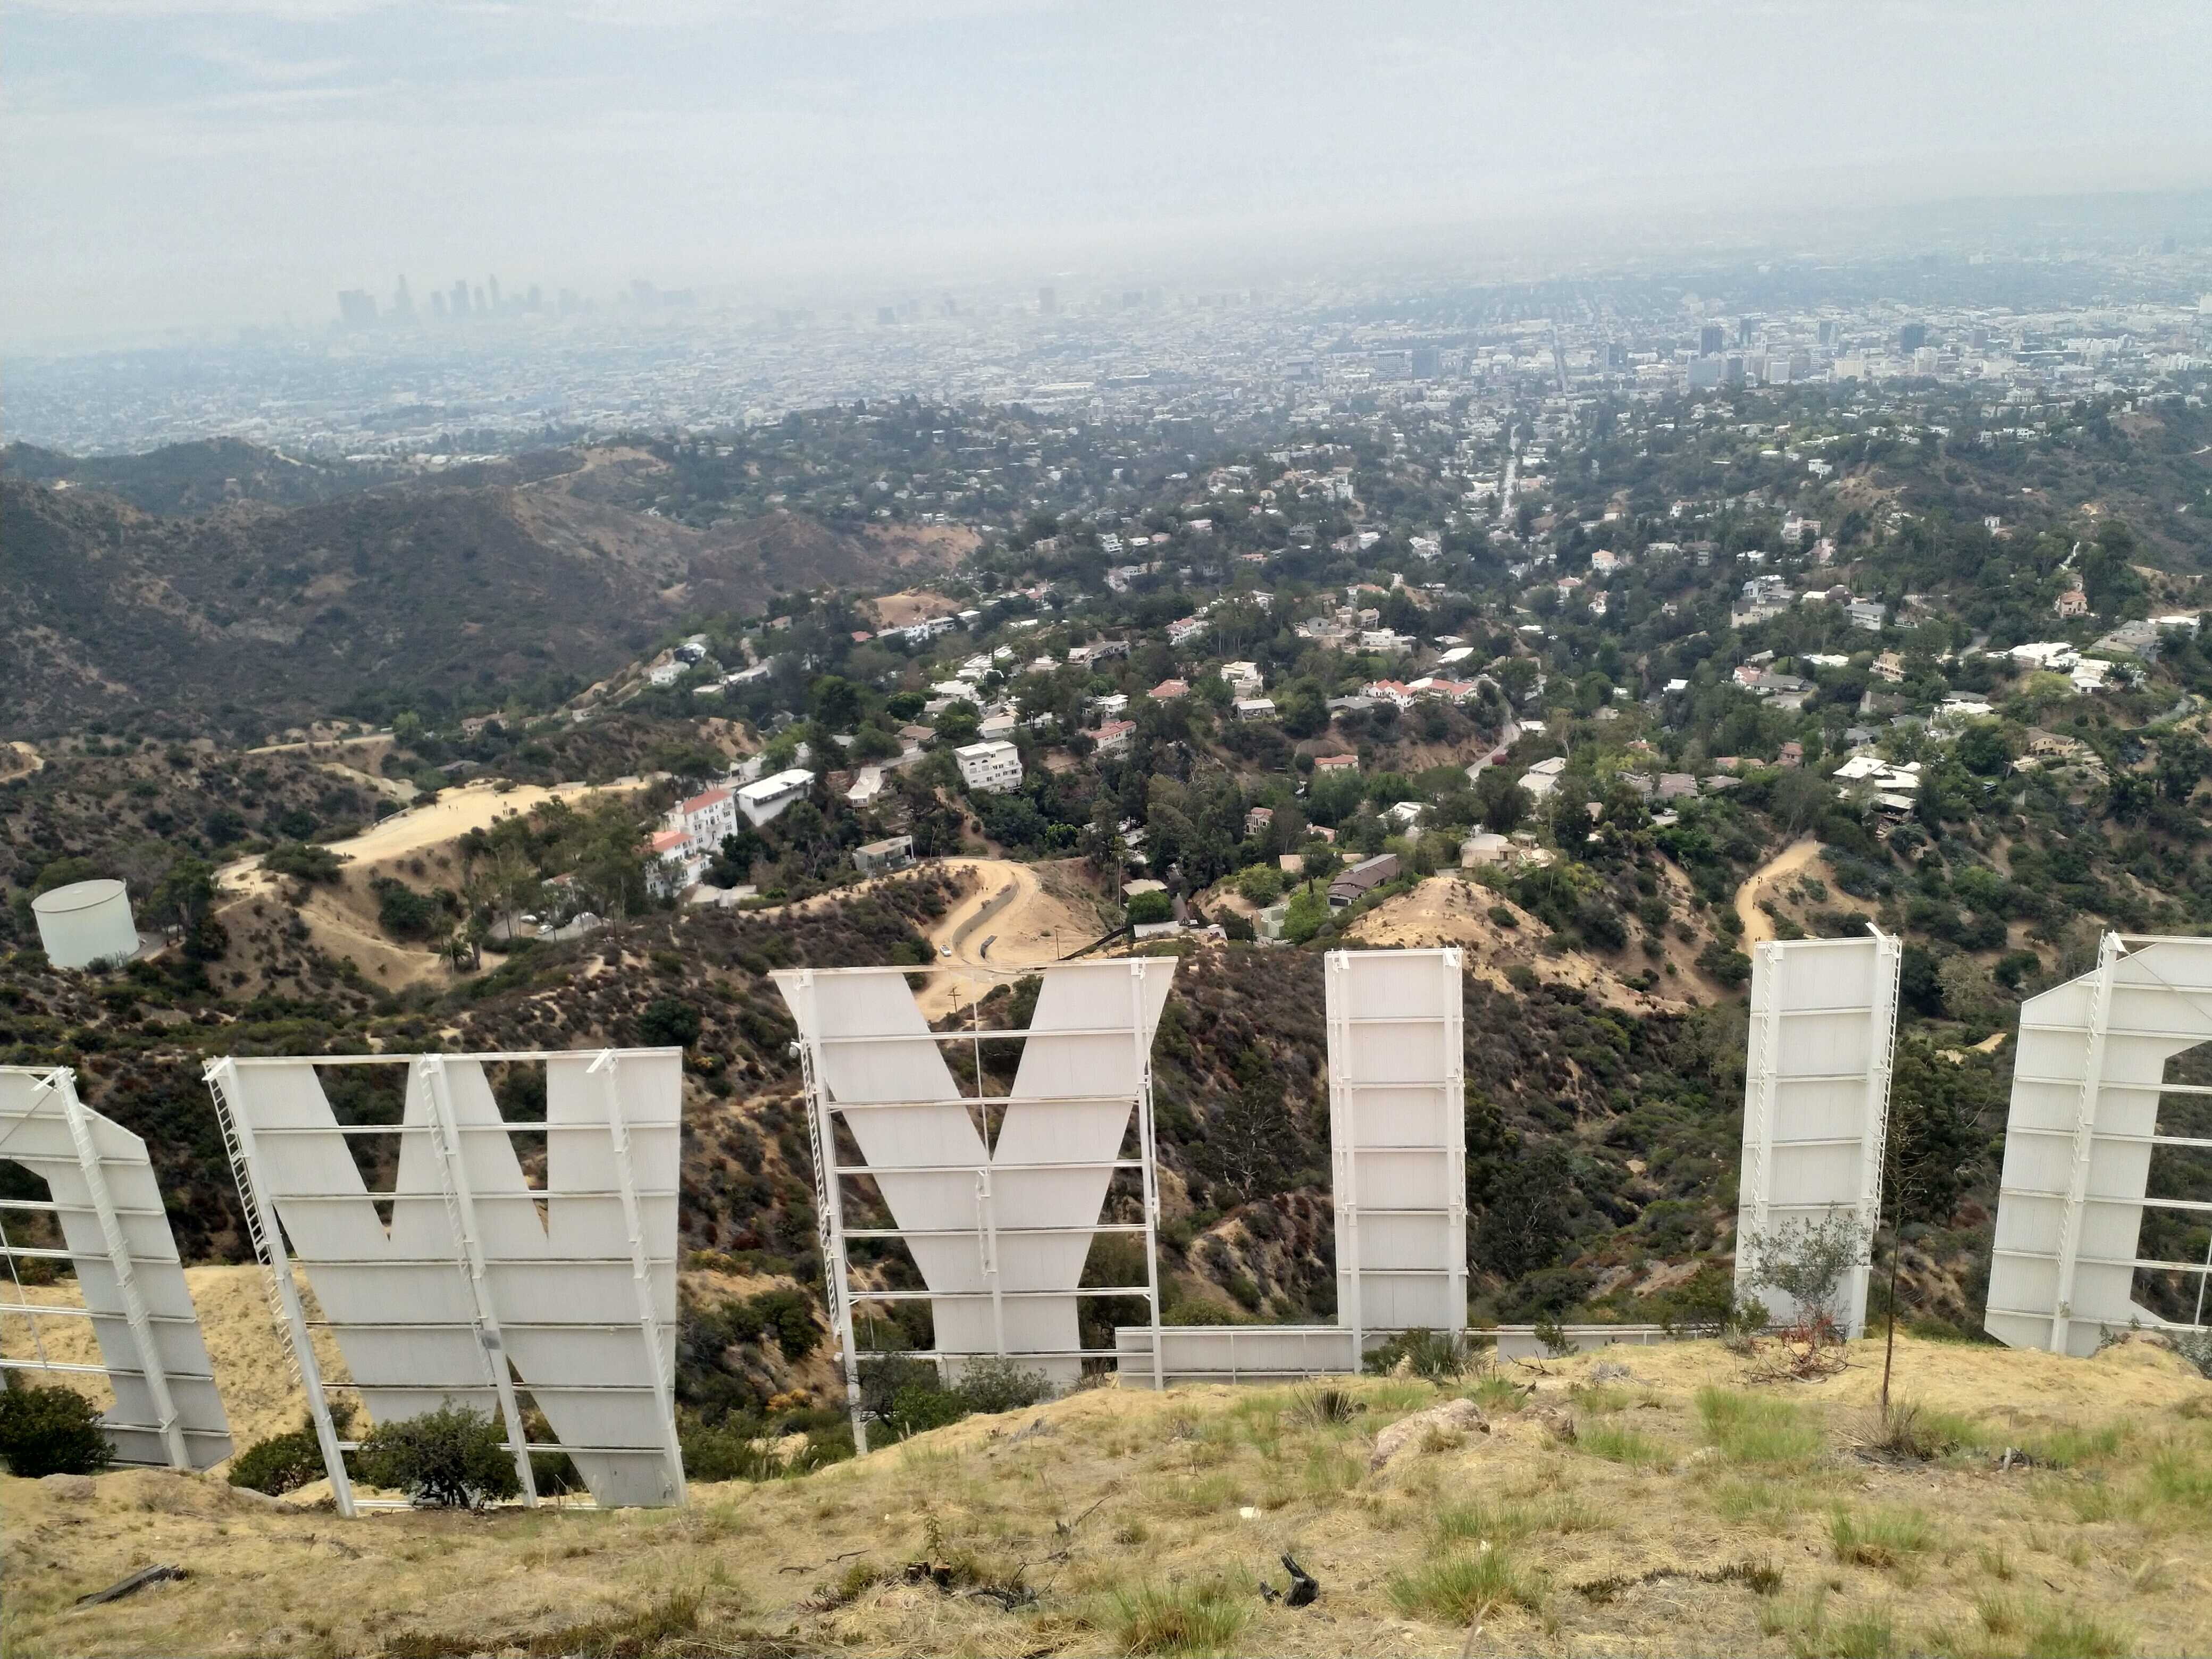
1363, 879
892, 853
990, 769
766, 801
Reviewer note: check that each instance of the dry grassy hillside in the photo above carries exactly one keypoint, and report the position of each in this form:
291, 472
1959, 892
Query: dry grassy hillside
1650, 1500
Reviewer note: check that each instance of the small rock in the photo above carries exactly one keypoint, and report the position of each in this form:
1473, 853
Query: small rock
1454, 1415
70, 1488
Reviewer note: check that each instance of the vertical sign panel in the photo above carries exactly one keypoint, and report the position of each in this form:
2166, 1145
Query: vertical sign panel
1398, 1139
467, 1283
1816, 1103
115, 1235
999, 1229
2088, 1082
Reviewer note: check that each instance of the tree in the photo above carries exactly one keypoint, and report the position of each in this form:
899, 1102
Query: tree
1983, 750
186, 893
1503, 803
1524, 1224
836, 702
1798, 797
1810, 1262
1243, 1152
450, 1458
1146, 909
669, 1022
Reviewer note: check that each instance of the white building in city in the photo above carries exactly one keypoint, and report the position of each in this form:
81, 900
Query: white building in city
703, 820
765, 801
995, 769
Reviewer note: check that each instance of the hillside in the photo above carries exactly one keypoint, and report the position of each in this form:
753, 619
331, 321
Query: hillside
253, 616
196, 477
1659, 1500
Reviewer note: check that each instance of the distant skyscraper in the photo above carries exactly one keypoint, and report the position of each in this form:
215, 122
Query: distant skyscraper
1827, 334
1047, 303
492, 283
459, 300
437, 302
886, 315
403, 302
1912, 336
1710, 340
482, 309
1743, 326
356, 307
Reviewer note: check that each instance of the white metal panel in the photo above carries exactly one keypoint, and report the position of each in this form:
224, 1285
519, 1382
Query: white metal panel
1272, 1353
130, 1279
1816, 1098
969, 1213
2087, 1081
574, 1282
1398, 1139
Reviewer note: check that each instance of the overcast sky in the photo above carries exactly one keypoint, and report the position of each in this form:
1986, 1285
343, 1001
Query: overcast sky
224, 160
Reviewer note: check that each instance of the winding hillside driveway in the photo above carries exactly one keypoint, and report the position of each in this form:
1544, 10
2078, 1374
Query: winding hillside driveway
1758, 926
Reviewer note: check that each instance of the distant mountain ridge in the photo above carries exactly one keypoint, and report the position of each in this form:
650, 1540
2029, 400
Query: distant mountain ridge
255, 616
198, 476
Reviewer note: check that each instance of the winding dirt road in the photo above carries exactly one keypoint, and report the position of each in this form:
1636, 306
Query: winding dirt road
1009, 922
1758, 926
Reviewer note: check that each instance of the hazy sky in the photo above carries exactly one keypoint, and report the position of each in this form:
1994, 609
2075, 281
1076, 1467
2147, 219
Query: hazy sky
223, 160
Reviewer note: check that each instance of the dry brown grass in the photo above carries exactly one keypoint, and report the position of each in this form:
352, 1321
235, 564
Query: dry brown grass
1126, 1524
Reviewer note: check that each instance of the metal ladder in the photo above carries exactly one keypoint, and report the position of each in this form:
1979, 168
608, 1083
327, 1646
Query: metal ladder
250, 1202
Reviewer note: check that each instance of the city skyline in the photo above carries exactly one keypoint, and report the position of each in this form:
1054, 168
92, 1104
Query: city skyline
257, 158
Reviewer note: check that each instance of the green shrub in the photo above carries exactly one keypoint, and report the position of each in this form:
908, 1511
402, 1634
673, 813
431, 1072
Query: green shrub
282, 1463
726, 1451
1146, 909
669, 1022
1438, 1356
923, 1406
993, 1384
302, 861
1187, 1619
450, 1458
1757, 1429
1460, 1590
1260, 883
52, 1430
285, 1463
404, 912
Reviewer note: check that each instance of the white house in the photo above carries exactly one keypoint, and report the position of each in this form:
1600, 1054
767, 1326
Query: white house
1244, 678
765, 801
1114, 736
1256, 708
666, 673
1543, 777
703, 820
993, 769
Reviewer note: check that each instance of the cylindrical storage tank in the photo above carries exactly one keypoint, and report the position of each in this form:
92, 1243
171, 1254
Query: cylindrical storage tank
86, 921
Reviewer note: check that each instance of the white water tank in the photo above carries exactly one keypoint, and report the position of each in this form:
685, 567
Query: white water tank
86, 921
